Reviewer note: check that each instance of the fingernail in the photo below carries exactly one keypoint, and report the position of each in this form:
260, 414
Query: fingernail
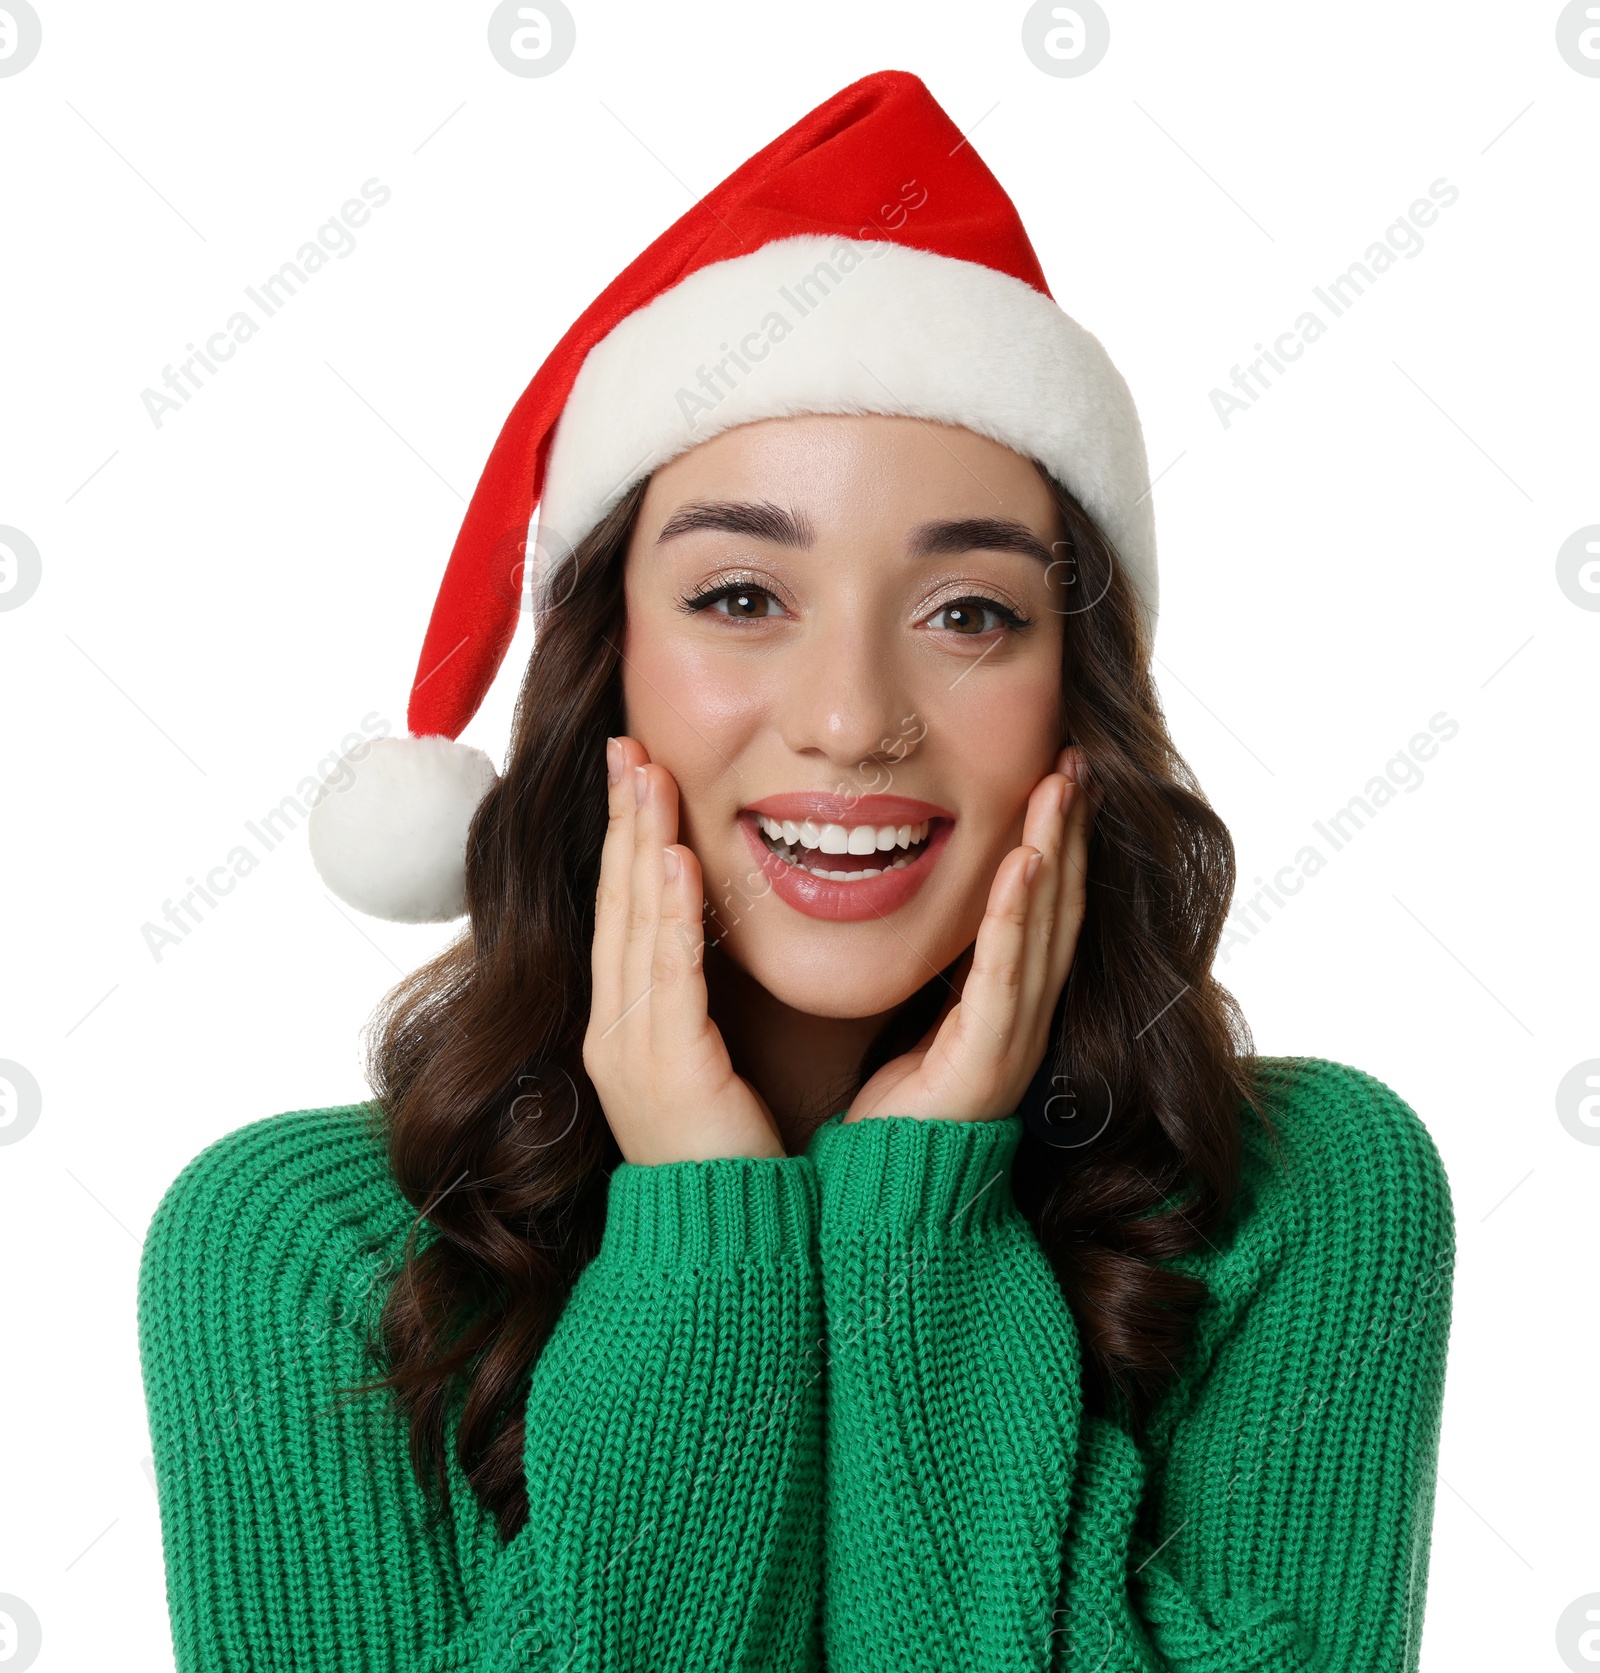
1031, 870
641, 786
669, 864
613, 761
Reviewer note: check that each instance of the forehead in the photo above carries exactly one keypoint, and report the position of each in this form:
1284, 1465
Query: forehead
860, 470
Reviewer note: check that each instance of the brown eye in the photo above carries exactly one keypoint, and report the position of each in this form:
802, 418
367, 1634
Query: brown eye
747, 602
741, 602
971, 617
961, 618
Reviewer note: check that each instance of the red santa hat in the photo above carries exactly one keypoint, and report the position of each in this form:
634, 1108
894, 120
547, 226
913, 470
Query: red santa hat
866, 261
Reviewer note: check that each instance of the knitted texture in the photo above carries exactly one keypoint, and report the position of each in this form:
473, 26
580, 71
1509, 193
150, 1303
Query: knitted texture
818, 1411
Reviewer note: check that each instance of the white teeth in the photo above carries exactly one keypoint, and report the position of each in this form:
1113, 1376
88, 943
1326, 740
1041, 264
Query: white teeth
846, 876
842, 839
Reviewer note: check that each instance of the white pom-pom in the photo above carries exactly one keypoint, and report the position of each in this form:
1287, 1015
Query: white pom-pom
389, 833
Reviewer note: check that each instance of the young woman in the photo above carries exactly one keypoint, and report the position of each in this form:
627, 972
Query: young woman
823, 1212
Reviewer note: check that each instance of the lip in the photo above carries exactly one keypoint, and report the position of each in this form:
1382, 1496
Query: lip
848, 810
845, 903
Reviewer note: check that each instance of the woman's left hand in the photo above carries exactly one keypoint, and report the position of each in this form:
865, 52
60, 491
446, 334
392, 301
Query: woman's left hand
975, 1063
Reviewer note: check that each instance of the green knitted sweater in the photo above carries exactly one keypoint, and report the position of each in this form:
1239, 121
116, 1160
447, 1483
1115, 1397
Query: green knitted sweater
816, 1411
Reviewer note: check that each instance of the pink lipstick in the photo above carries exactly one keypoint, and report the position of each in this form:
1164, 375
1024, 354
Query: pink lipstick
846, 858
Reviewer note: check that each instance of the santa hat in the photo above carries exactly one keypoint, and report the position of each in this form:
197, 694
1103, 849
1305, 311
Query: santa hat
866, 261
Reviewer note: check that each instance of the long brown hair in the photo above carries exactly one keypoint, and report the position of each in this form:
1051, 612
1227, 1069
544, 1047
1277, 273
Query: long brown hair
1131, 1150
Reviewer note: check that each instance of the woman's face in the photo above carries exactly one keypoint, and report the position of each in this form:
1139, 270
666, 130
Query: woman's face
844, 643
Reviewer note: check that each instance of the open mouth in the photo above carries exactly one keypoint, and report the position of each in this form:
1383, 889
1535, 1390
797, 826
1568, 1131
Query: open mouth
844, 853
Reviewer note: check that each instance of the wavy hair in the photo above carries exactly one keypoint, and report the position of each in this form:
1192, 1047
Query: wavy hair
495, 1135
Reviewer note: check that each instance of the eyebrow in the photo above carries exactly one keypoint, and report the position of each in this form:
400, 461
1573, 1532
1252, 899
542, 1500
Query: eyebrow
758, 521
763, 520
972, 534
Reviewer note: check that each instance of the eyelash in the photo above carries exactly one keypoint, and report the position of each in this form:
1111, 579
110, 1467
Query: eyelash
694, 602
1010, 620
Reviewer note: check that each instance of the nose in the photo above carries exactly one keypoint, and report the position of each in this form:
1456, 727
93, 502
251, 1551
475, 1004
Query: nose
848, 701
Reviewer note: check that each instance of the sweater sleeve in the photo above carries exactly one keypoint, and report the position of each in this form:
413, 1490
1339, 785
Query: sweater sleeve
672, 1436
294, 1533
954, 1402
1292, 1496
1275, 1515
674, 1439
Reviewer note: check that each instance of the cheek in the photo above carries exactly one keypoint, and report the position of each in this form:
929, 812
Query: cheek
695, 712
1003, 734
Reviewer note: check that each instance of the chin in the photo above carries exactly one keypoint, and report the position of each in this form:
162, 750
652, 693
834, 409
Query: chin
862, 985
849, 969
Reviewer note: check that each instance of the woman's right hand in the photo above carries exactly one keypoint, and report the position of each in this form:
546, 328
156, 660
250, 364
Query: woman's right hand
652, 1051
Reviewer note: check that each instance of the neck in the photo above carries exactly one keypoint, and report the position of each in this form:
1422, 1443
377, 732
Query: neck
805, 1067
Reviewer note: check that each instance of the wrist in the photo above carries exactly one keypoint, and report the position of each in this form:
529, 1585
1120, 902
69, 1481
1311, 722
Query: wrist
765, 1148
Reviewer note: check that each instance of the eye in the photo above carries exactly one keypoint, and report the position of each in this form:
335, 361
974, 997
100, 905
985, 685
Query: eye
746, 601
974, 617
736, 599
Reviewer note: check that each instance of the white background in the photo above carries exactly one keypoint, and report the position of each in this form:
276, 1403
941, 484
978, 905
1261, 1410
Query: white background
1371, 544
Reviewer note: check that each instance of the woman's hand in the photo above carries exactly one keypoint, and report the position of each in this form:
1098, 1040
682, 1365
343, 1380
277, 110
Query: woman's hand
656, 1059
975, 1063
